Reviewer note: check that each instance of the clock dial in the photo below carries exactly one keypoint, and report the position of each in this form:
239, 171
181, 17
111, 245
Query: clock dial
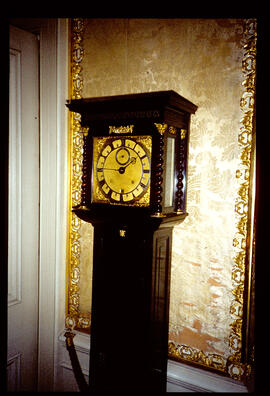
122, 170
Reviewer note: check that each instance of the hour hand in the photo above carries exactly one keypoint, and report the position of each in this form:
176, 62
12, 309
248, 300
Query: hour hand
123, 168
132, 161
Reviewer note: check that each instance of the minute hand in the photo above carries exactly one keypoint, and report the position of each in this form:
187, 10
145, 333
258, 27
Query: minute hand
122, 168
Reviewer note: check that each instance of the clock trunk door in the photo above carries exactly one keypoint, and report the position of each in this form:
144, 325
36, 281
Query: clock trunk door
120, 330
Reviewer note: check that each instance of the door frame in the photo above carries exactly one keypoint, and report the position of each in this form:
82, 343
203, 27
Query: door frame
54, 39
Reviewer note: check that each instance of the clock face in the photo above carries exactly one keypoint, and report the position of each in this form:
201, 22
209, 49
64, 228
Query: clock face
121, 170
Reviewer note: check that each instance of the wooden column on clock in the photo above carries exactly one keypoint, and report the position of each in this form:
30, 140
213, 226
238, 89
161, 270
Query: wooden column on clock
133, 192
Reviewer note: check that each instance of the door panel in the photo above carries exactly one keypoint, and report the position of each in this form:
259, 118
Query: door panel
23, 200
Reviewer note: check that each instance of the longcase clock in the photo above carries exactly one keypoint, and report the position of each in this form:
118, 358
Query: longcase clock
133, 192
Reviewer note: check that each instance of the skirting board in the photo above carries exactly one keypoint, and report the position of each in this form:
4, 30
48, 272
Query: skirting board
184, 378
180, 377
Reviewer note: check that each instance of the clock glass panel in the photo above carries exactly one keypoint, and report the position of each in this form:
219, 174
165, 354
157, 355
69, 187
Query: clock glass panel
122, 170
169, 172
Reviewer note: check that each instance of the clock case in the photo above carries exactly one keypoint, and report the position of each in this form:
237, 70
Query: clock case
162, 115
132, 245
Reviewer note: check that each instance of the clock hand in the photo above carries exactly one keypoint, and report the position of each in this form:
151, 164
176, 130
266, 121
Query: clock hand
132, 161
123, 168
111, 169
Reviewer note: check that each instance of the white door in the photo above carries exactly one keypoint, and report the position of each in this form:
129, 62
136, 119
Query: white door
23, 201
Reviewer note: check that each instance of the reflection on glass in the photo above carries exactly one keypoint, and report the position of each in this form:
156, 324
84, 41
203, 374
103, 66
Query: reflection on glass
169, 174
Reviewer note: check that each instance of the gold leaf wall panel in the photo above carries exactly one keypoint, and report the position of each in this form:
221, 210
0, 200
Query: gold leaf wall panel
202, 60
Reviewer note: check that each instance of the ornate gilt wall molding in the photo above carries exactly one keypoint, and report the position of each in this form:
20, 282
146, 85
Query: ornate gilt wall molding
74, 318
244, 242
238, 365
